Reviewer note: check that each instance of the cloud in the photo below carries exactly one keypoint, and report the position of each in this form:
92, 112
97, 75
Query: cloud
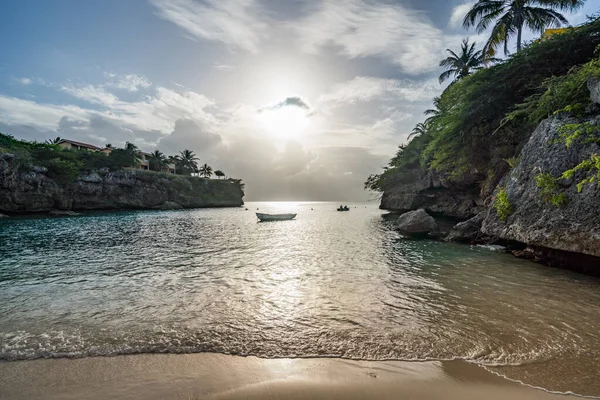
293, 101
90, 93
361, 28
240, 24
189, 134
130, 82
224, 67
367, 88
25, 81
458, 14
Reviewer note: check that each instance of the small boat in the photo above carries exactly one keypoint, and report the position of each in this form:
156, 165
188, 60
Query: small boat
345, 208
275, 217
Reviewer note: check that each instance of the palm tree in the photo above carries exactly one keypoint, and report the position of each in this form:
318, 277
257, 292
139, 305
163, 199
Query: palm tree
157, 161
187, 161
219, 173
464, 64
206, 171
419, 130
56, 140
511, 16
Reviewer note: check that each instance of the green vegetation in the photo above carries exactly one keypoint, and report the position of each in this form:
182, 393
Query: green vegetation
484, 119
511, 16
502, 205
64, 165
550, 190
586, 133
592, 166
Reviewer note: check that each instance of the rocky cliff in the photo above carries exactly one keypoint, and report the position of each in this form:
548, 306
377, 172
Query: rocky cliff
32, 190
418, 189
573, 224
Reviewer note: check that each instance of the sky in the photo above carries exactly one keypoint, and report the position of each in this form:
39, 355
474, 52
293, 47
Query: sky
302, 99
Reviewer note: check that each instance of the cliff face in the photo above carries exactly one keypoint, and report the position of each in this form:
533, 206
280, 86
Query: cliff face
573, 226
34, 191
419, 189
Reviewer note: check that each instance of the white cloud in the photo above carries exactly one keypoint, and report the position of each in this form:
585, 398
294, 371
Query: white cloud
131, 83
458, 14
16, 111
240, 24
224, 67
362, 28
366, 88
90, 93
25, 81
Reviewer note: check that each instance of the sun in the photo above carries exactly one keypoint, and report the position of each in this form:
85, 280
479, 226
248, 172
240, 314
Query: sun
285, 122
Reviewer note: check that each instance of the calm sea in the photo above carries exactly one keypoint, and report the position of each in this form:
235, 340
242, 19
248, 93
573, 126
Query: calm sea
327, 284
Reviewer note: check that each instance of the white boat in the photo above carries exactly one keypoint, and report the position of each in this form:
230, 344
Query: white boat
275, 217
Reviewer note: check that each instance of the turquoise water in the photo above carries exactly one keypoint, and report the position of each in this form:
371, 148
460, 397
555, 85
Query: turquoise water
325, 284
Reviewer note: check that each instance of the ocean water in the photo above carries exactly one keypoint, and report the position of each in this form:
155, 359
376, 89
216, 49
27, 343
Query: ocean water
327, 284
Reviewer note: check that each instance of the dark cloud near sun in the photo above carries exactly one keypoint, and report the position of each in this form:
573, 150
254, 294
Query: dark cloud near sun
294, 101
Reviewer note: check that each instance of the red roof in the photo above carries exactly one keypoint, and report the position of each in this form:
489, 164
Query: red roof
80, 144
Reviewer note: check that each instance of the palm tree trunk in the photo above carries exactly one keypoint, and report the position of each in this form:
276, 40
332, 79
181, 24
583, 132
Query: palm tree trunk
519, 33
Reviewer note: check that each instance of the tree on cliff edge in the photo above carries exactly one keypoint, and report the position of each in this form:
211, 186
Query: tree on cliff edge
511, 16
219, 173
206, 171
463, 64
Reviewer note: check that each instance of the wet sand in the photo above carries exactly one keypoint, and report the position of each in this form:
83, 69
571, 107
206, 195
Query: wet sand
217, 376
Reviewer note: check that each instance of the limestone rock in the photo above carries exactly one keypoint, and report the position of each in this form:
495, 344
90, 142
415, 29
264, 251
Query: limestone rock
593, 85
416, 223
35, 191
573, 227
416, 188
467, 231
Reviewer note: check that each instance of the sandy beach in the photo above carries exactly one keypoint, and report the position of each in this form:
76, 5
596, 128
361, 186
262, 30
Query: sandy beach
216, 376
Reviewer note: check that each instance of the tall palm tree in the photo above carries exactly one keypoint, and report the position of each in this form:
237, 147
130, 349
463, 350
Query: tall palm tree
157, 161
187, 161
56, 140
219, 173
133, 152
419, 130
511, 16
206, 171
464, 64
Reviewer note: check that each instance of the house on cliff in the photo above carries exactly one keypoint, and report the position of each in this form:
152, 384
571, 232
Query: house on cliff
143, 157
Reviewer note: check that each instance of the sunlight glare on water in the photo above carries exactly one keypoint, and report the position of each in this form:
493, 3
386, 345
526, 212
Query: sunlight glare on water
338, 284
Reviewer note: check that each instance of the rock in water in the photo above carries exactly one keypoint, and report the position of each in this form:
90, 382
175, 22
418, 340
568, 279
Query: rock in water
3, 216
467, 231
416, 223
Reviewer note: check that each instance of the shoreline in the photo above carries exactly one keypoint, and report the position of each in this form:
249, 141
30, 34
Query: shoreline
219, 376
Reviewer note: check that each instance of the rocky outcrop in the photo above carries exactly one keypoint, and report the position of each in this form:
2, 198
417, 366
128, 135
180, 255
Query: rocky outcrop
416, 188
416, 223
593, 85
63, 213
33, 190
573, 227
469, 231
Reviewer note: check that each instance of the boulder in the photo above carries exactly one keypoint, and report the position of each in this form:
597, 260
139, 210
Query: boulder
593, 85
416, 223
468, 231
